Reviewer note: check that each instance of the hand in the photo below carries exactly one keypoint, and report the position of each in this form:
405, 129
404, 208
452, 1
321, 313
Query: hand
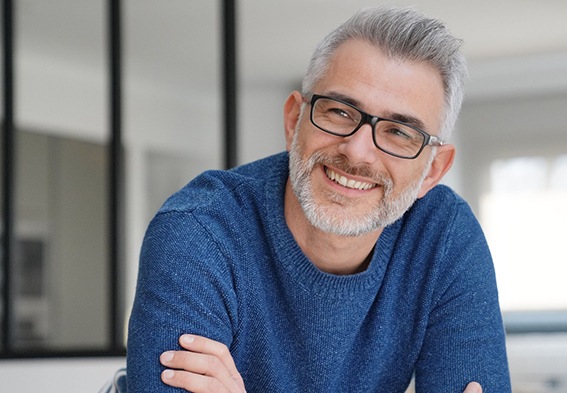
473, 387
206, 366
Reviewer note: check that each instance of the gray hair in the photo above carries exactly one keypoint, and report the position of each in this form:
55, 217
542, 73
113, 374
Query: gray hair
404, 34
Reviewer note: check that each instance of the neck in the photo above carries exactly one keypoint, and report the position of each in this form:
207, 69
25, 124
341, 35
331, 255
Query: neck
331, 253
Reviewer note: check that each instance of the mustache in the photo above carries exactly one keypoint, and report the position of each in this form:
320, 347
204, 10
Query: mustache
344, 165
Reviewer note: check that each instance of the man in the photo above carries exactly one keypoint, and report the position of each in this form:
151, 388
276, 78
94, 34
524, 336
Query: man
343, 266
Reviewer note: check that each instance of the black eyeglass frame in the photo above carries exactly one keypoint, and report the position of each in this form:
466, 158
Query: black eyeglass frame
428, 139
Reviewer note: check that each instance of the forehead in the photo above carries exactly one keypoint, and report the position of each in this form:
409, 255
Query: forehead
384, 86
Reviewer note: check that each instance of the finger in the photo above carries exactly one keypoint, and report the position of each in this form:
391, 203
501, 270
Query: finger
205, 345
473, 387
195, 383
192, 366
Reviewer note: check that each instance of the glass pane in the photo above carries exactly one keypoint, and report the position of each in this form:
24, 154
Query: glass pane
524, 216
272, 58
61, 259
173, 106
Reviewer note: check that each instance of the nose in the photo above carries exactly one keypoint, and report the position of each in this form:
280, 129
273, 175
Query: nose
359, 147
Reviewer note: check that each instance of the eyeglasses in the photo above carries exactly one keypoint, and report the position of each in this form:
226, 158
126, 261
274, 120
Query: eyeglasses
394, 137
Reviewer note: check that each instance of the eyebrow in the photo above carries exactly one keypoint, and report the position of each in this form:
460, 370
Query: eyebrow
408, 119
401, 117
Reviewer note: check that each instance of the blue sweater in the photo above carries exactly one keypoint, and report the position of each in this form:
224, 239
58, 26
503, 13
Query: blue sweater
218, 260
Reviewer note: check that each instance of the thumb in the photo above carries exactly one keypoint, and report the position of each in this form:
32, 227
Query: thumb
473, 387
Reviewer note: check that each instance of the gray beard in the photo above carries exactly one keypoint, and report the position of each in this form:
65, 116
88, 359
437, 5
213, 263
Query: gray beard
329, 219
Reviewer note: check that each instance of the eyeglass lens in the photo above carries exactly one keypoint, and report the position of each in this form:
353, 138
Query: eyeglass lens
340, 118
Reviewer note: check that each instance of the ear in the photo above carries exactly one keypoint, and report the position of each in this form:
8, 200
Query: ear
292, 110
441, 164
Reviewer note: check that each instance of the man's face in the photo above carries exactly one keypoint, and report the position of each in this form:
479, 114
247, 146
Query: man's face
345, 185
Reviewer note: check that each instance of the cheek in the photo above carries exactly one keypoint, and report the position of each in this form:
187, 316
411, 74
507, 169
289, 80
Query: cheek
404, 176
308, 139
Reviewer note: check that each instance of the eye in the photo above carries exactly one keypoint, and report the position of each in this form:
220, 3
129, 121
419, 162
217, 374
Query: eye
336, 113
340, 112
400, 132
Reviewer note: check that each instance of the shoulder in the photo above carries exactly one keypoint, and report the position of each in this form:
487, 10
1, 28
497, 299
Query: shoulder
445, 225
442, 207
219, 208
217, 189
441, 195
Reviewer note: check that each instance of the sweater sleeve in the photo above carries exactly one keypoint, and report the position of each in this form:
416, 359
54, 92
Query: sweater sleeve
465, 338
184, 286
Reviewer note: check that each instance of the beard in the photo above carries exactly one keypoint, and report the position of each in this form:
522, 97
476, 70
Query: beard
340, 220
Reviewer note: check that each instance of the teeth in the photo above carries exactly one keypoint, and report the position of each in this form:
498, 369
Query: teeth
349, 183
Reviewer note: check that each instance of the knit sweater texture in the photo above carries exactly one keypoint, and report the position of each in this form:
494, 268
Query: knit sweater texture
218, 260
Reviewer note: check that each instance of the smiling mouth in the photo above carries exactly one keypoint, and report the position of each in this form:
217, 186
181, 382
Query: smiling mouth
348, 183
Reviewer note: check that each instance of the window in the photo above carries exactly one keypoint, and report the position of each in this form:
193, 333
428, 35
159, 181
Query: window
107, 125
512, 170
56, 290
524, 215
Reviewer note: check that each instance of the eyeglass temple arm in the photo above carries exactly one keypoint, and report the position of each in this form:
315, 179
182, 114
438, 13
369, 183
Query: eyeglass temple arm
435, 141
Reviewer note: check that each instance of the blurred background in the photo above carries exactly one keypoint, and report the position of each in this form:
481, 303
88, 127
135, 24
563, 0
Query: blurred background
86, 164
